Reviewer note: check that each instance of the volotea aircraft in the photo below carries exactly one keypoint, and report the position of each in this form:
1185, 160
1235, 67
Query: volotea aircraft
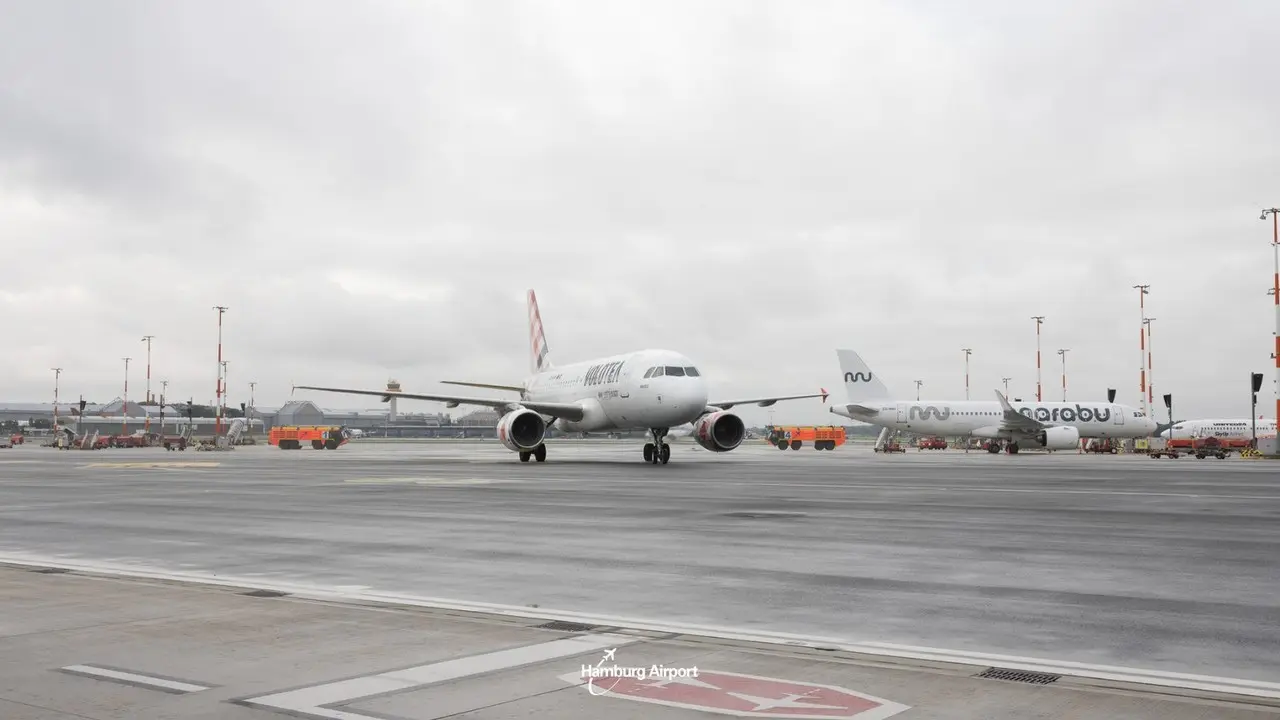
1048, 425
654, 390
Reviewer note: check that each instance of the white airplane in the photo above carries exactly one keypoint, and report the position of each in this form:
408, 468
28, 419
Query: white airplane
1229, 429
1049, 425
651, 389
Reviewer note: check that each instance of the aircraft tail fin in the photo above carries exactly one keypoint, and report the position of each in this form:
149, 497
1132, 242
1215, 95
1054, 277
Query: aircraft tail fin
859, 382
539, 354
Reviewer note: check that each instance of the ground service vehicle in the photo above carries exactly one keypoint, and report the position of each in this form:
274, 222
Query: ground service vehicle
1101, 445
823, 438
321, 437
931, 443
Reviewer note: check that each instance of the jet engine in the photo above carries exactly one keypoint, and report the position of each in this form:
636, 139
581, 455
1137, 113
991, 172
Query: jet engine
719, 432
521, 430
1059, 438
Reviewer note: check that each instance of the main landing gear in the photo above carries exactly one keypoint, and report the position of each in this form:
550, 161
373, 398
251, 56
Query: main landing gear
657, 451
539, 453
995, 446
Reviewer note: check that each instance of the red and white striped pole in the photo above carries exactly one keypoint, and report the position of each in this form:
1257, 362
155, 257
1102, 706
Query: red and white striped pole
1275, 247
1039, 319
1142, 345
125, 404
1151, 377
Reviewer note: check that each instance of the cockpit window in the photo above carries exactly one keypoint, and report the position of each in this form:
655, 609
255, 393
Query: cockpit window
675, 371
657, 372
649, 372
691, 371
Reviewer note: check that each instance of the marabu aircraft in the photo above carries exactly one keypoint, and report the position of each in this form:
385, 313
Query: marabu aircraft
648, 389
1050, 425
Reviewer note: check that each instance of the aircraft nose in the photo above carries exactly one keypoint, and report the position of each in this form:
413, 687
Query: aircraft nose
697, 394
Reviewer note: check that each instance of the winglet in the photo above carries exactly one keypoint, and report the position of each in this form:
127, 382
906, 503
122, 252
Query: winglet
824, 395
1004, 403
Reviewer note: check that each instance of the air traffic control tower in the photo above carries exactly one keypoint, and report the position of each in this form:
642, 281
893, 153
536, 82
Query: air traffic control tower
392, 386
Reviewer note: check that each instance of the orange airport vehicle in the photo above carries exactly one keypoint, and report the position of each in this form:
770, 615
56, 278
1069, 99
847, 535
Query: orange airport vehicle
321, 437
823, 438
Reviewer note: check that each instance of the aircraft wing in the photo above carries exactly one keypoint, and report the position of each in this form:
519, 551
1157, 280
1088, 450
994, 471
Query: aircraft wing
764, 402
568, 411
1014, 420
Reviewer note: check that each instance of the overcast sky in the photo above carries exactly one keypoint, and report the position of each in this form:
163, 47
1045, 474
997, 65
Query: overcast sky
371, 187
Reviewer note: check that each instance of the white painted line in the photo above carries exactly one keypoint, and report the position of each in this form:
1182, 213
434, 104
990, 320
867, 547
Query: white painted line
312, 701
1233, 686
964, 488
133, 678
1109, 672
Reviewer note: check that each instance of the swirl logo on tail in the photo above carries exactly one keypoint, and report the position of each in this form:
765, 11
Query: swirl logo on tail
857, 377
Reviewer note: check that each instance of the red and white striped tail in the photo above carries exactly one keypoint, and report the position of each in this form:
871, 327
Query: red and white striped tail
539, 356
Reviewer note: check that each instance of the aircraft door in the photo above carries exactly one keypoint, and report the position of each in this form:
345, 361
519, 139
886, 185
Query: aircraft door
902, 413
1118, 413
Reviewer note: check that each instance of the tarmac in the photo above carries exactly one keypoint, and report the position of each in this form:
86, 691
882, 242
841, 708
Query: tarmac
408, 581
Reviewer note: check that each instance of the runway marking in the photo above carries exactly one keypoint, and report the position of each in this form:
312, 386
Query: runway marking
153, 682
962, 488
728, 693
159, 465
319, 700
1217, 684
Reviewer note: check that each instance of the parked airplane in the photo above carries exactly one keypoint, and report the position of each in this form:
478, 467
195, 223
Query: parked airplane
1050, 425
651, 389
1230, 429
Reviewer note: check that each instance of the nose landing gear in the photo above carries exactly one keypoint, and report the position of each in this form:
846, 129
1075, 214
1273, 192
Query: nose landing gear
657, 451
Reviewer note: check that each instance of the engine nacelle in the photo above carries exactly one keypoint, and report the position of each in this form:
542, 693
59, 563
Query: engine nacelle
1060, 437
521, 430
719, 432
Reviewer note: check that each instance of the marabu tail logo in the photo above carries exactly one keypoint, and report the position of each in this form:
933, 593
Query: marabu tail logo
857, 377
1077, 414
924, 413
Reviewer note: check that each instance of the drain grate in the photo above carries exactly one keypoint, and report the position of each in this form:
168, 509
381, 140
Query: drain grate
264, 593
1024, 676
51, 571
566, 626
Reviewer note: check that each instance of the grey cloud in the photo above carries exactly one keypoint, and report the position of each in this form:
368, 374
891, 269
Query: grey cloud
752, 184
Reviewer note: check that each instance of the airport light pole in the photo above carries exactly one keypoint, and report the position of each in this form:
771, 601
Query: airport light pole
57, 372
1039, 321
125, 403
918, 384
1063, 352
164, 386
248, 424
218, 411
1275, 290
226, 389
1142, 344
1006, 386
147, 397
1151, 377
967, 352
